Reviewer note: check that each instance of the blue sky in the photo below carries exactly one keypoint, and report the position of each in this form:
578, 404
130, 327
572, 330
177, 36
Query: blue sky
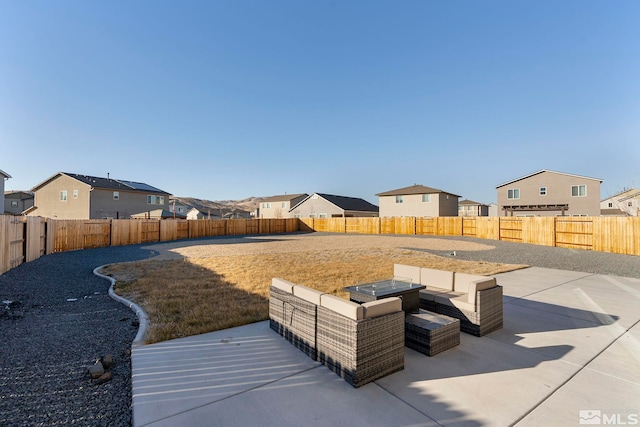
231, 99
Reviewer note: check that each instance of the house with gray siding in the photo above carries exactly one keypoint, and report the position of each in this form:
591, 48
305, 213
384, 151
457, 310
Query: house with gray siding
279, 206
419, 201
73, 196
320, 205
3, 177
16, 202
550, 193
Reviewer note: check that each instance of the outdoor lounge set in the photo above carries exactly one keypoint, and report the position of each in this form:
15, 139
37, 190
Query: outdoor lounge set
363, 339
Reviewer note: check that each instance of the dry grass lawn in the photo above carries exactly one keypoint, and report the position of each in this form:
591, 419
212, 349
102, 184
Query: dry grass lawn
195, 287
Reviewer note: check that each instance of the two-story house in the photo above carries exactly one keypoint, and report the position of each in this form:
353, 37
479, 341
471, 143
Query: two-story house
74, 196
16, 202
550, 193
625, 203
470, 208
320, 205
419, 201
279, 206
3, 177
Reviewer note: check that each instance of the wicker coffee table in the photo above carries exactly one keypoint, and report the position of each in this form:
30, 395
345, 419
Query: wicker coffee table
431, 333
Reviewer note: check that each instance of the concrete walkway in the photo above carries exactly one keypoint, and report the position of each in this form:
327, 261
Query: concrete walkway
570, 348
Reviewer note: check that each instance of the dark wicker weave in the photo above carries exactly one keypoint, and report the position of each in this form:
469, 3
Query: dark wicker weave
488, 316
294, 319
361, 351
431, 333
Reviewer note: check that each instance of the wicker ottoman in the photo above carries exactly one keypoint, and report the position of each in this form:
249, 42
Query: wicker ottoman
431, 333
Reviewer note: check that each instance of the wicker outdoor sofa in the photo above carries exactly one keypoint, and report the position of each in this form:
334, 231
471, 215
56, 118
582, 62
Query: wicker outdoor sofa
475, 300
359, 342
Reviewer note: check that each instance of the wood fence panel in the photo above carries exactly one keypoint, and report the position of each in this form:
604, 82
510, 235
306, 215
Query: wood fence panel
539, 230
36, 237
68, 234
125, 232
292, 225
619, 235
236, 227
336, 225
387, 226
574, 232
11, 242
469, 226
97, 233
511, 229
357, 225
306, 224
449, 226
173, 229
276, 225
426, 226
488, 227
149, 230
405, 225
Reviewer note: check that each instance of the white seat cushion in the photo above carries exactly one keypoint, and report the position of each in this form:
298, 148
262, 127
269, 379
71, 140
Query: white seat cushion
342, 306
307, 294
430, 278
381, 307
283, 285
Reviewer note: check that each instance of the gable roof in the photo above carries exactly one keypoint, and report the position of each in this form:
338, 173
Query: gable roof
413, 189
6, 175
630, 193
105, 183
344, 203
546, 170
284, 197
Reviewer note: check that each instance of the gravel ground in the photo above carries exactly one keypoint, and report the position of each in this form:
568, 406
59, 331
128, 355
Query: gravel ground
61, 319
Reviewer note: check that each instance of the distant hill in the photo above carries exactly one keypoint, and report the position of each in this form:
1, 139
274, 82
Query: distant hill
249, 204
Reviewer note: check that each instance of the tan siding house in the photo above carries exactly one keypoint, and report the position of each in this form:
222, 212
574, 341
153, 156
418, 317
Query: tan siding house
471, 208
419, 201
73, 196
280, 206
549, 193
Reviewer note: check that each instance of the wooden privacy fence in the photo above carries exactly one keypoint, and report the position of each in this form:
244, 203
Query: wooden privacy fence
24, 239
619, 235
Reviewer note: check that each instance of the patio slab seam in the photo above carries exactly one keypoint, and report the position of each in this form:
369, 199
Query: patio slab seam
572, 376
515, 299
168, 417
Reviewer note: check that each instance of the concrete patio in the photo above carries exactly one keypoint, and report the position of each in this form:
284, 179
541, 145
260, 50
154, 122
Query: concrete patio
569, 354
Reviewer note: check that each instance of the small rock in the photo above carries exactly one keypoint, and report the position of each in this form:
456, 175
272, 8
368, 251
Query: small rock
103, 378
107, 361
96, 370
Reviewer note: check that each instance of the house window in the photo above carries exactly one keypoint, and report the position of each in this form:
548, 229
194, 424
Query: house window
155, 200
578, 191
63, 196
284, 204
14, 203
399, 199
116, 195
266, 205
513, 193
610, 204
543, 191
323, 215
630, 204
426, 198
75, 194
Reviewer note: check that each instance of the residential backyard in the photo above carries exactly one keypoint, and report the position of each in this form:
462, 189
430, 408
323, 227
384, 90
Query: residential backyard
194, 287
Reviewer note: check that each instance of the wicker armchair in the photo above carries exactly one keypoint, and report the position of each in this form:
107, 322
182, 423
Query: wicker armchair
361, 343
